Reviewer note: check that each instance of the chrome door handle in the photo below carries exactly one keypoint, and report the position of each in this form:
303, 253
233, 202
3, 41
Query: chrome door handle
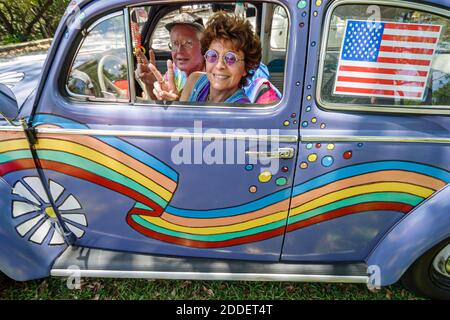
281, 153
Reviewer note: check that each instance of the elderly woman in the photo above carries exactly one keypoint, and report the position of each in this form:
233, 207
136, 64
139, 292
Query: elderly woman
231, 51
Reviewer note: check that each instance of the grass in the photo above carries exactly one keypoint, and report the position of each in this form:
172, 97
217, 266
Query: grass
125, 289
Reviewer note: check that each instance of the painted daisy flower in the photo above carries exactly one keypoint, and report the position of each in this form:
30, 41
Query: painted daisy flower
37, 218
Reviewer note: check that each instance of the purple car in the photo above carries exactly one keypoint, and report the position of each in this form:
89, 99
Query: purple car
344, 177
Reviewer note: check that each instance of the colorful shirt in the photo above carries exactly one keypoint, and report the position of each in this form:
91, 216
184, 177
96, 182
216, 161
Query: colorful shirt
180, 77
200, 92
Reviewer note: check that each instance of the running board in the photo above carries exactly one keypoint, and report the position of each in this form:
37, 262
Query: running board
87, 262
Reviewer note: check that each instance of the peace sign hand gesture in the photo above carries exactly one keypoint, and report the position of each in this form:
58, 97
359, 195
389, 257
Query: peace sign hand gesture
165, 89
143, 71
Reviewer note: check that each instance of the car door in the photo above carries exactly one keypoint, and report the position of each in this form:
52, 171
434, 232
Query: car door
374, 131
190, 180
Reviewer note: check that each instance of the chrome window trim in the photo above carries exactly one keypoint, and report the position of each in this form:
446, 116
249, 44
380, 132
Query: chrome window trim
209, 276
281, 138
85, 32
419, 109
401, 139
166, 135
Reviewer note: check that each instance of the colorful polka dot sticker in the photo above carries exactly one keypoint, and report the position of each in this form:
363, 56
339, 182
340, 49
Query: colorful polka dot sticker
284, 169
308, 109
318, 145
303, 165
314, 120
286, 123
327, 161
265, 176
360, 144
330, 146
252, 189
347, 154
318, 3
315, 13
309, 146
249, 167
302, 4
312, 157
304, 124
308, 97
323, 126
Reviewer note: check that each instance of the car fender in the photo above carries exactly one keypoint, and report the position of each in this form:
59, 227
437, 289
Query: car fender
421, 229
21, 259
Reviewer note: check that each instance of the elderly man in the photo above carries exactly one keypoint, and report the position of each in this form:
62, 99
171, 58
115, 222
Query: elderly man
185, 33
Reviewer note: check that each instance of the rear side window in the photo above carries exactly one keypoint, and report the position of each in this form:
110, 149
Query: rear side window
377, 56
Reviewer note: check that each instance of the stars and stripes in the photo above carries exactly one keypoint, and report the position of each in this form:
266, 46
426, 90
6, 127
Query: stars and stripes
386, 59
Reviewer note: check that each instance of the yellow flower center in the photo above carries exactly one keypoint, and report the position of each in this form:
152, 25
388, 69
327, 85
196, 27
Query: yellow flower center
50, 212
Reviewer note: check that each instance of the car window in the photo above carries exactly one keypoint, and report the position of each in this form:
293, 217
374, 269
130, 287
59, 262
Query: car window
100, 70
270, 74
385, 56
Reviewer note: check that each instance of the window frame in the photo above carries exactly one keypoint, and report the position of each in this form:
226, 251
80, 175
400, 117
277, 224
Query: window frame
376, 108
85, 33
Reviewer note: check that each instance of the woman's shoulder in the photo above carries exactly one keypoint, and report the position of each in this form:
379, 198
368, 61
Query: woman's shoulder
190, 84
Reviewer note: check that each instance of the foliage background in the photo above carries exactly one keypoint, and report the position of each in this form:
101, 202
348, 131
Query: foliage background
25, 20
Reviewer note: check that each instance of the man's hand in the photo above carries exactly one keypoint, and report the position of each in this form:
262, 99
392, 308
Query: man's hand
142, 71
165, 89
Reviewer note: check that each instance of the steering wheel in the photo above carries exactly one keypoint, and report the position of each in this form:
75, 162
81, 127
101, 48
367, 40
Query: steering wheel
103, 81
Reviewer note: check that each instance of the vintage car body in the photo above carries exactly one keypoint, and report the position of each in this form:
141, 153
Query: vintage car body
91, 187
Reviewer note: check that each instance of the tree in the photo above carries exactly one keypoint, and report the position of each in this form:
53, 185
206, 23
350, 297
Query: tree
23, 20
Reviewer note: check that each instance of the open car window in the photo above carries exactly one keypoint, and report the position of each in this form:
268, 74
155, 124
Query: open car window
272, 30
399, 58
100, 70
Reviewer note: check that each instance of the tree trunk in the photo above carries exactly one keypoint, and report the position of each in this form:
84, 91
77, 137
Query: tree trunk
40, 12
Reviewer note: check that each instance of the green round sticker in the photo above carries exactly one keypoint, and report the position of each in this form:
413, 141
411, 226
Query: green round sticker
281, 181
301, 4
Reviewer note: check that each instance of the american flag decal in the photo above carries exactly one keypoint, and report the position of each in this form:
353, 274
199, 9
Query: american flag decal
386, 59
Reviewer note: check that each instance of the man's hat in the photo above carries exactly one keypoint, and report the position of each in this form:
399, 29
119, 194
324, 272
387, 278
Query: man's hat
186, 18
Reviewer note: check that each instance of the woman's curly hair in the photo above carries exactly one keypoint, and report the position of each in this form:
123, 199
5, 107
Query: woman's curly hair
238, 30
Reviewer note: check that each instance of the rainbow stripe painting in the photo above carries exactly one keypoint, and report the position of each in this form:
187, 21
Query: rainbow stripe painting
117, 165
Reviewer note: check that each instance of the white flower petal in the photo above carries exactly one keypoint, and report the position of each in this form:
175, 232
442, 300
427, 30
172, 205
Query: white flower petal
75, 217
40, 234
36, 184
57, 238
77, 231
70, 204
20, 190
25, 227
20, 208
56, 190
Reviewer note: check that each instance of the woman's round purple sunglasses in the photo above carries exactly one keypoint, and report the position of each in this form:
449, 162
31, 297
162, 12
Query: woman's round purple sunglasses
229, 58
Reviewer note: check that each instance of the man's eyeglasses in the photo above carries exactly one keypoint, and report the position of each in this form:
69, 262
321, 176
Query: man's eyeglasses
230, 58
175, 45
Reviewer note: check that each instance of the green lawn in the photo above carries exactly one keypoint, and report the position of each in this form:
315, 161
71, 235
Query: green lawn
55, 288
